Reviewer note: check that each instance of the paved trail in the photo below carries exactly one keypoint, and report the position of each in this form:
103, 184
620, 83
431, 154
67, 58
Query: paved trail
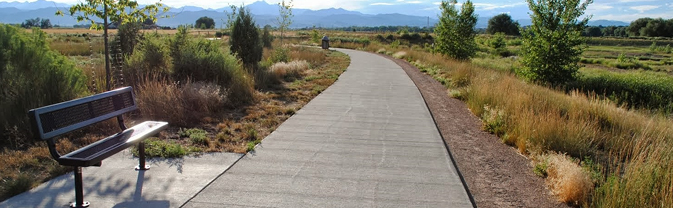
367, 141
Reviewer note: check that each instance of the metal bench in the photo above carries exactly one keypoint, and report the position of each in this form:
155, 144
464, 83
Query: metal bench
49, 122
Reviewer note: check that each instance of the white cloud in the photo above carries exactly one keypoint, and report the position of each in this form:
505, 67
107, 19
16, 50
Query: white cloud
384, 4
414, 2
487, 6
600, 7
644, 8
632, 1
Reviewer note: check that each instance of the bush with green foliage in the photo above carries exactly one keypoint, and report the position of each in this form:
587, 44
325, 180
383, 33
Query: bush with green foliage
553, 43
205, 23
31, 75
502, 23
267, 38
150, 58
204, 60
455, 31
245, 40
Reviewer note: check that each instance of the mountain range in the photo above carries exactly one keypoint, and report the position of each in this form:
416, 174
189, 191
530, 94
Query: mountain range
263, 13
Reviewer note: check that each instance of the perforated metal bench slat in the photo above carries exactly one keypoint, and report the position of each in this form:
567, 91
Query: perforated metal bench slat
58, 119
100, 150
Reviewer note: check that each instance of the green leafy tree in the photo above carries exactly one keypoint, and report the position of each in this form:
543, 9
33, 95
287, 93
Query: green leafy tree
120, 11
285, 19
455, 31
502, 23
45, 24
635, 26
553, 43
29, 23
245, 40
593, 31
205, 23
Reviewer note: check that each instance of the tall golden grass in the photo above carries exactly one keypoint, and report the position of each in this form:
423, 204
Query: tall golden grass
635, 149
180, 105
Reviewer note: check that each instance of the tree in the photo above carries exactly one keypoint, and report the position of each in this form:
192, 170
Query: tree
121, 11
231, 16
205, 23
267, 38
552, 44
245, 41
29, 23
455, 32
593, 32
635, 26
502, 23
285, 19
45, 24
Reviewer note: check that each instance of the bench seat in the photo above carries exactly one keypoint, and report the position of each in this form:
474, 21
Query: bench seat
93, 154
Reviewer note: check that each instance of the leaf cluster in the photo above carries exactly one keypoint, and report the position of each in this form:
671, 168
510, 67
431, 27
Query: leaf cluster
121, 11
553, 43
455, 31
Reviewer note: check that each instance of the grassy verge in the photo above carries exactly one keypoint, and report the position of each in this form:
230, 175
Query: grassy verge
592, 152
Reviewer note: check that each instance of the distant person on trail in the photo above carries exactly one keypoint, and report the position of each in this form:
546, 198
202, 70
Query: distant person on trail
325, 42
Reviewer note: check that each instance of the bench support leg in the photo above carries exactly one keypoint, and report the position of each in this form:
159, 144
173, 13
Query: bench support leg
141, 157
79, 190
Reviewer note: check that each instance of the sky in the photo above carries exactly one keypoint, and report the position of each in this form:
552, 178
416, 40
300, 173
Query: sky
622, 10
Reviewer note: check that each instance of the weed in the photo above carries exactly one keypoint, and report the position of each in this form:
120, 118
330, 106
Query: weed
197, 136
155, 147
494, 120
18, 185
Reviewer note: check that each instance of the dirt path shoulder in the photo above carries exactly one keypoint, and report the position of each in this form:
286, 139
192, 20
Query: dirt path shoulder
497, 176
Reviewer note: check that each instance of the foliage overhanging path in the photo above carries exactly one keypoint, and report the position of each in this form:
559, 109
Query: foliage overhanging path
369, 140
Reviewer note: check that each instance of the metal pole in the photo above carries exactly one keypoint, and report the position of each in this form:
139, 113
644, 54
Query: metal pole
79, 190
107, 51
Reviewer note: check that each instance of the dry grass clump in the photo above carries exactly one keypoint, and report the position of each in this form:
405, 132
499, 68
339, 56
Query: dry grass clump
288, 71
315, 57
632, 149
400, 54
180, 105
567, 180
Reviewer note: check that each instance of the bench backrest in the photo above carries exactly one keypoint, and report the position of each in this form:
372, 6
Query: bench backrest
54, 120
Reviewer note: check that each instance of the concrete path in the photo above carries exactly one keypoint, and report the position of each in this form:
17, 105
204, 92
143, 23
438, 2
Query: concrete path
168, 183
367, 141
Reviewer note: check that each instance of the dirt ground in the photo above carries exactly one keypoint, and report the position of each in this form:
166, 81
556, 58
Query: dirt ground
496, 174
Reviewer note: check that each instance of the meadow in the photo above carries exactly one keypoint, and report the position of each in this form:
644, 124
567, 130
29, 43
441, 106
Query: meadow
602, 141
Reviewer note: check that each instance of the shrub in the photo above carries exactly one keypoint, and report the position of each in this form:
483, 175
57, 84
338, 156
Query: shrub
267, 38
150, 58
280, 54
31, 75
245, 40
201, 60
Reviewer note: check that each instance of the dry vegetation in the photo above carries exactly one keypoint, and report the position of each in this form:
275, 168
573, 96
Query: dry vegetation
592, 152
202, 116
